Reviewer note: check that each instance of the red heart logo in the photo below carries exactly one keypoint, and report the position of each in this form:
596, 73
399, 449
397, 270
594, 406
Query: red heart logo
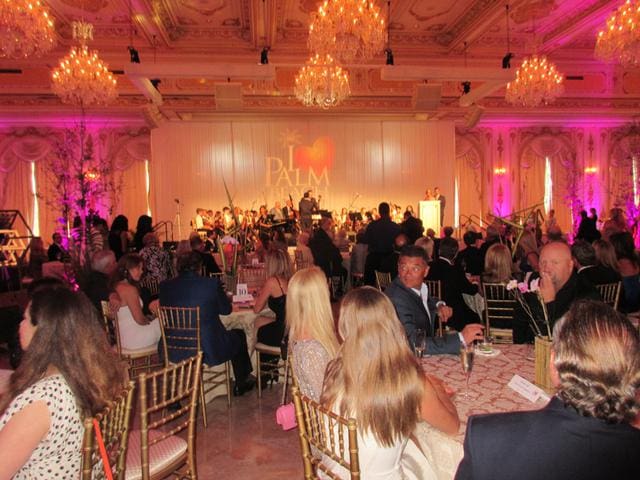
318, 156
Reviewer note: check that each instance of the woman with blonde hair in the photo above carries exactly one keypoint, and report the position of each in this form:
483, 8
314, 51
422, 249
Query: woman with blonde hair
376, 379
498, 267
312, 337
68, 372
274, 294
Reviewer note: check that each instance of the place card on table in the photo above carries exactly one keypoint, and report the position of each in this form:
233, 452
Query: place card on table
527, 389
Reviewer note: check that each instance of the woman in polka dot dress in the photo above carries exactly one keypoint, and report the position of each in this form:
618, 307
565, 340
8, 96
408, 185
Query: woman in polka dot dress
68, 372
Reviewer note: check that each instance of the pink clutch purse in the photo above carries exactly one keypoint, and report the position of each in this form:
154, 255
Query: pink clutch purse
286, 416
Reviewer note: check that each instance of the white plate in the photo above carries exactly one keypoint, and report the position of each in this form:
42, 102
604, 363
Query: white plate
494, 353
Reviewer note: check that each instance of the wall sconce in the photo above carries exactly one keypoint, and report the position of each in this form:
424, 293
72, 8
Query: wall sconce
590, 170
499, 171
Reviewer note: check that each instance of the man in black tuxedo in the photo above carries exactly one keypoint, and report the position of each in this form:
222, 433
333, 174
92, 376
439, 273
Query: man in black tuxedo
379, 237
443, 201
454, 284
560, 286
416, 309
325, 254
585, 432
412, 227
470, 259
306, 208
584, 257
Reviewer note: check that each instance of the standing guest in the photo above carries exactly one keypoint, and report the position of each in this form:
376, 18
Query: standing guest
428, 195
56, 252
584, 432
417, 309
584, 257
144, 226
379, 236
629, 268
157, 262
274, 294
119, 236
443, 201
312, 337
98, 234
551, 220
37, 256
218, 344
325, 254
137, 330
454, 284
103, 266
587, 230
58, 384
411, 227
376, 379
560, 286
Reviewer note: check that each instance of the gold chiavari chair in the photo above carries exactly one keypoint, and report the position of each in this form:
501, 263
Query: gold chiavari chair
132, 357
181, 338
610, 293
168, 400
499, 305
435, 288
114, 423
383, 280
253, 276
270, 368
151, 284
333, 436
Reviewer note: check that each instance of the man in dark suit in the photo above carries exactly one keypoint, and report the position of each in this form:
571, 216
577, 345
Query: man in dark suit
560, 286
208, 262
584, 257
218, 344
470, 259
412, 227
454, 284
443, 201
585, 432
325, 254
379, 237
306, 208
416, 309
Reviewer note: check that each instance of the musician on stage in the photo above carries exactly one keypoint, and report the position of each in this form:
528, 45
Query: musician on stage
276, 213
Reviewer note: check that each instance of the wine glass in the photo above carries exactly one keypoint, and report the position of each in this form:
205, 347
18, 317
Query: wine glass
420, 343
466, 359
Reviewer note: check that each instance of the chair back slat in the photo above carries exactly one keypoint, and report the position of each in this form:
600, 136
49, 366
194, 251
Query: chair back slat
610, 293
383, 280
114, 423
111, 325
329, 434
435, 288
180, 330
499, 306
151, 284
162, 394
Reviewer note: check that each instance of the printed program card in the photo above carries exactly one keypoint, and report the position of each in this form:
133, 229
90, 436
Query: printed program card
527, 389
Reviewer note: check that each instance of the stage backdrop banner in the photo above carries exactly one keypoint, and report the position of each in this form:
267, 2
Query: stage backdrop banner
348, 162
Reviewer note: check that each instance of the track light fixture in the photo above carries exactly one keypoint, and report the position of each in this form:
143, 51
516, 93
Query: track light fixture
388, 50
466, 87
389, 54
155, 82
506, 60
134, 55
264, 56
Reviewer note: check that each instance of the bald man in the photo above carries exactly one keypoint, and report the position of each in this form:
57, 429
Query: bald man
560, 286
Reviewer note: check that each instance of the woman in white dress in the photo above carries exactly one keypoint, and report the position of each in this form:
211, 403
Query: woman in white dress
68, 372
376, 379
312, 338
137, 331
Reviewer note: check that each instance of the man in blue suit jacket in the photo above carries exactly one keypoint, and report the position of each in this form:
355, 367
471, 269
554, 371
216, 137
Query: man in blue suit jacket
409, 294
218, 344
585, 431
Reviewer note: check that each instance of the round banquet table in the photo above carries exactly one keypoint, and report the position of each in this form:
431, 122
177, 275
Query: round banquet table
488, 393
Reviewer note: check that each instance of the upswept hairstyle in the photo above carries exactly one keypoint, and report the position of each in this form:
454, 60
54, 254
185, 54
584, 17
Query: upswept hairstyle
498, 266
126, 263
597, 355
374, 377
309, 309
69, 337
278, 264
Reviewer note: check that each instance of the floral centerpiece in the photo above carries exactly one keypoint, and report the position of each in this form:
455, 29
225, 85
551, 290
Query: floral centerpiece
530, 298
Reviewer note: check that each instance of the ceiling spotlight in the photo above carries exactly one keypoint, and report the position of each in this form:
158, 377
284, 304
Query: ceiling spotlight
134, 55
466, 87
264, 56
389, 53
506, 60
155, 82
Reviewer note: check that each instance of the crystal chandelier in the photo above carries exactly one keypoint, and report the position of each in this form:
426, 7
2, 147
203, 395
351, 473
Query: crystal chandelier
620, 40
347, 29
537, 81
26, 28
82, 78
321, 82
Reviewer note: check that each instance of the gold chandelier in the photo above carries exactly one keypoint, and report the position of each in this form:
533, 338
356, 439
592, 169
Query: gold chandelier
620, 40
26, 28
82, 78
537, 81
347, 29
321, 82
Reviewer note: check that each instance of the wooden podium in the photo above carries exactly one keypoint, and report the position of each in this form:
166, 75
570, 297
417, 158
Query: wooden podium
430, 214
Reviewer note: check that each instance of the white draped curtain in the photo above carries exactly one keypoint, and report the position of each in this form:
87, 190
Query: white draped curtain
469, 174
347, 161
623, 154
